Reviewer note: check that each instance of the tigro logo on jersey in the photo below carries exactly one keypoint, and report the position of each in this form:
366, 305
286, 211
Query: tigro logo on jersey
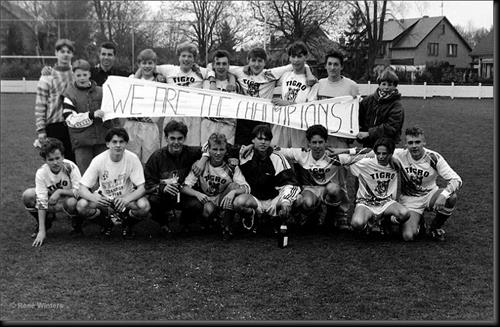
183, 80
296, 84
253, 87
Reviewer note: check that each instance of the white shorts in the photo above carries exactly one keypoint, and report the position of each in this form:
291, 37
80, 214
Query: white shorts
226, 127
144, 138
319, 192
418, 203
377, 210
269, 206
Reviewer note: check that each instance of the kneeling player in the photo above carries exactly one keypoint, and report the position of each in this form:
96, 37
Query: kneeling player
121, 186
273, 184
377, 191
421, 167
56, 189
218, 185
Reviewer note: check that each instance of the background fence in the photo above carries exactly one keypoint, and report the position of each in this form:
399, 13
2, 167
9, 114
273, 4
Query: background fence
420, 91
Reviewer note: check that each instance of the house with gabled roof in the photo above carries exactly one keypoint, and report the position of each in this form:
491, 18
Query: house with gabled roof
482, 56
416, 41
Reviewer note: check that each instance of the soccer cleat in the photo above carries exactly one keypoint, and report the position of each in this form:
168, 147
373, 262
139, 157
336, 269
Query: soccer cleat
437, 234
165, 231
343, 224
128, 232
107, 231
227, 235
248, 221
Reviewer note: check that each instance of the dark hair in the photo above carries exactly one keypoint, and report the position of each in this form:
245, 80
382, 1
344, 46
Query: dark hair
335, 54
65, 43
316, 130
80, 64
221, 54
262, 129
384, 141
297, 48
414, 131
257, 53
388, 75
50, 145
217, 138
118, 131
108, 45
174, 125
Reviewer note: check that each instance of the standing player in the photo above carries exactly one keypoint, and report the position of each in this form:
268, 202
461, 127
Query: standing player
377, 192
420, 192
106, 66
189, 74
294, 89
218, 185
143, 131
226, 126
381, 114
56, 189
83, 116
335, 85
48, 104
258, 82
121, 185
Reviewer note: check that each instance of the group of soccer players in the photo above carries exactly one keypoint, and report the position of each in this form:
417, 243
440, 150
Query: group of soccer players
241, 176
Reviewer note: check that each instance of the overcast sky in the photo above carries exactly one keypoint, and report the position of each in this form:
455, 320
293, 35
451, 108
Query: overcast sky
464, 13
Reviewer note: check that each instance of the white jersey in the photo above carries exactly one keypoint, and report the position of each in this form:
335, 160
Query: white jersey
327, 89
115, 178
294, 87
261, 85
175, 75
377, 184
215, 180
316, 172
422, 173
46, 182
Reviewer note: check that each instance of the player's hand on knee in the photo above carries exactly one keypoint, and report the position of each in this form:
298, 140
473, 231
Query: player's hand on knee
54, 197
440, 202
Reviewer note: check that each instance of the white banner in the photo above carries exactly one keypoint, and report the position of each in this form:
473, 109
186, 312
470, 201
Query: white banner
128, 97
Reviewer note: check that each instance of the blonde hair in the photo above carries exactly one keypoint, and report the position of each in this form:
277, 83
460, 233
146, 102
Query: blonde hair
187, 46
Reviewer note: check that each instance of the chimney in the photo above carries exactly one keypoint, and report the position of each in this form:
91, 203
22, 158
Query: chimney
425, 16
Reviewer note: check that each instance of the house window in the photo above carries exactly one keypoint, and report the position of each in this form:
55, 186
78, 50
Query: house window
433, 49
442, 26
451, 50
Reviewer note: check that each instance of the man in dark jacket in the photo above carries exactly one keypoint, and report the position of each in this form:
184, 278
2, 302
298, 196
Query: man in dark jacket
272, 181
165, 172
381, 114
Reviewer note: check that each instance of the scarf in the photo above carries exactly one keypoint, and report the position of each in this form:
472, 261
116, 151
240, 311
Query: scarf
383, 95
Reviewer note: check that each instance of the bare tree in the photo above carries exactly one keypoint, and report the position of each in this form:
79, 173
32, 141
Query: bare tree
373, 17
296, 19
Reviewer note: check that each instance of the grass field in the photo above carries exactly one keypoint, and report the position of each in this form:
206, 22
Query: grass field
317, 277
